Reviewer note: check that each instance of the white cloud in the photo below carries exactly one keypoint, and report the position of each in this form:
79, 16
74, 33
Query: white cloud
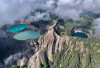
97, 27
10, 10
12, 58
13, 9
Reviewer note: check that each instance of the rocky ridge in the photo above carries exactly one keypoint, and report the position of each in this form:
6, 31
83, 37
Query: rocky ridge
36, 52
50, 44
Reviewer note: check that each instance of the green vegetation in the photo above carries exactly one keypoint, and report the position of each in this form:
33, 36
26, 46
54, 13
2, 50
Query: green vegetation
66, 59
41, 22
77, 59
46, 63
68, 27
95, 59
85, 22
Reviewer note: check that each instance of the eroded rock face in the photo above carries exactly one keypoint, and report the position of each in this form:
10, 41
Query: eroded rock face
34, 52
50, 43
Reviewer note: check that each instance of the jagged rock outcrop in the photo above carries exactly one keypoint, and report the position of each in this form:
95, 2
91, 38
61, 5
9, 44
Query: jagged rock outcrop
50, 43
34, 52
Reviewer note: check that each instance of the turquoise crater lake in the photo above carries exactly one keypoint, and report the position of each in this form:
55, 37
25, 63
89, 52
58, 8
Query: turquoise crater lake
16, 28
25, 35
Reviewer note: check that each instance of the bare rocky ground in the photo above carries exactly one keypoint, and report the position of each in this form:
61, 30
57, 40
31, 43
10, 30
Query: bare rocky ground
32, 53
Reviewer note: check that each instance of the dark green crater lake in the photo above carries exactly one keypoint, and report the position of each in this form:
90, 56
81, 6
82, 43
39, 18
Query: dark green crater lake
79, 34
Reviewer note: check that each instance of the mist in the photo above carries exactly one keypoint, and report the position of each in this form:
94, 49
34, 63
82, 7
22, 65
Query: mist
96, 23
12, 58
12, 10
